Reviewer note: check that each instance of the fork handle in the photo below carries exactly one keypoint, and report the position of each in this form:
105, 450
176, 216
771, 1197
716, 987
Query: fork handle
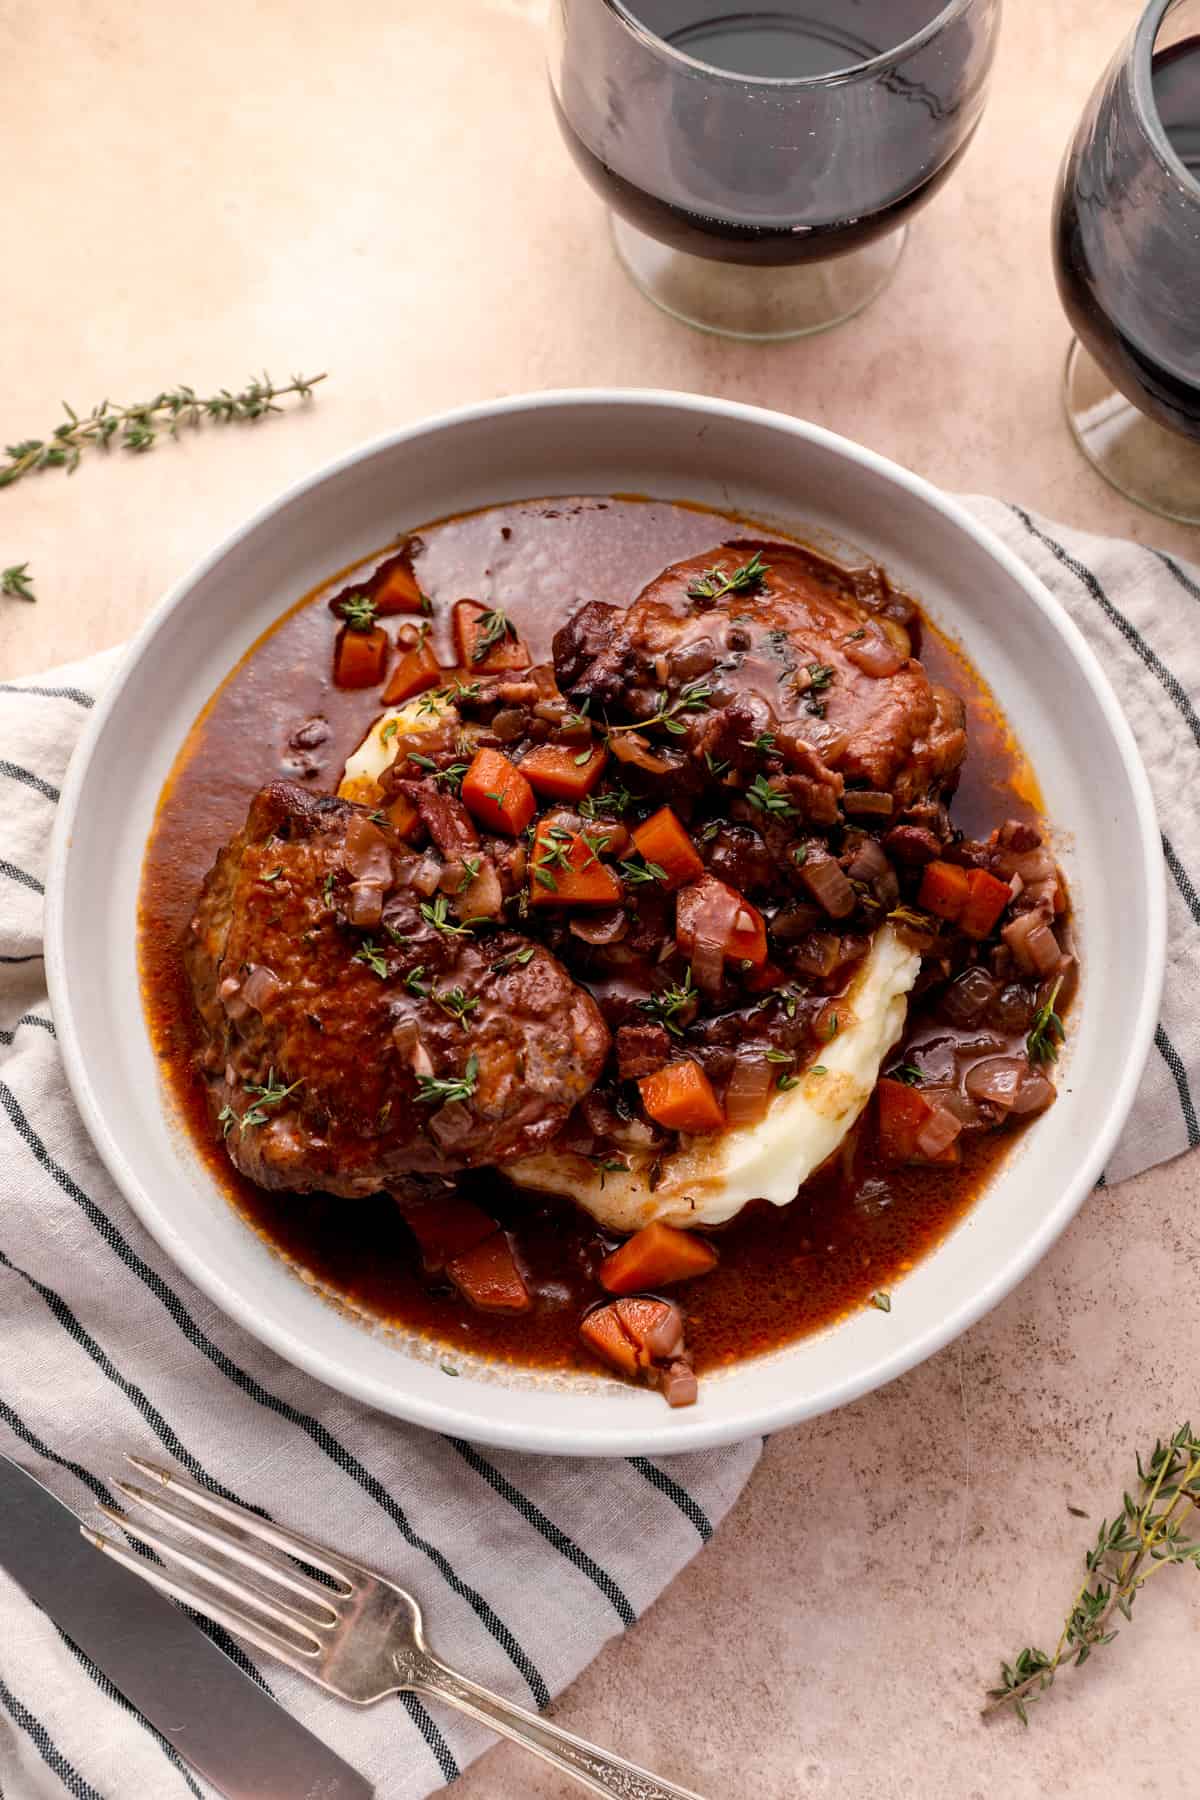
594, 1769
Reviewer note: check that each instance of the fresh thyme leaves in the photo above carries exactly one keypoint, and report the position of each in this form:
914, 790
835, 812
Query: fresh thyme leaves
916, 921
714, 583
669, 1003
610, 804
818, 1069
609, 1165
768, 799
799, 855
494, 627
369, 953
465, 690
820, 677
781, 1056
644, 872
452, 775
471, 867
764, 743
693, 696
327, 888
414, 983
17, 582
787, 1082
716, 767
457, 1004
274, 874
270, 1093
437, 916
1041, 1046
359, 612
852, 637
137, 428
882, 1300
436, 1090
908, 1073
1147, 1534
389, 731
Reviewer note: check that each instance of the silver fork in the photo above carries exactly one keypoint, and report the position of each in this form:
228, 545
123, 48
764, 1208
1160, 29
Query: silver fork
362, 1638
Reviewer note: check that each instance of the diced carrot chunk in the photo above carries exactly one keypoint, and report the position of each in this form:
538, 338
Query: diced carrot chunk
603, 1333
485, 639
565, 870
560, 774
680, 1097
416, 670
489, 1278
394, 588
496, 793
710, 909
403, 815
655, 1256
446, 1227
360, 657
987, 898
661, 839
902, 1112
944, 890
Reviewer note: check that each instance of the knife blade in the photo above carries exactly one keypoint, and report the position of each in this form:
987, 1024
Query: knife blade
217, 1718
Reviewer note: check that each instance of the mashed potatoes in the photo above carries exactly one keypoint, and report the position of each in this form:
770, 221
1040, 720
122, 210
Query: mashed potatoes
377, 751
708, 1180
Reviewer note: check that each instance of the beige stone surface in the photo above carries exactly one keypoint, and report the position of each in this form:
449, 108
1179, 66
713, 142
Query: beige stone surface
378, 190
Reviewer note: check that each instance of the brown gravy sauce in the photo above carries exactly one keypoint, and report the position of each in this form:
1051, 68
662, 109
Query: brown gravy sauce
784, 1271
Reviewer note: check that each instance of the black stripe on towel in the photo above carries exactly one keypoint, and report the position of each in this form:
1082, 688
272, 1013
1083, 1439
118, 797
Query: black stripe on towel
674, 1491
1183, 880
1129, 632
35, 957
15, 772
1174, 1062
418, 1713
1185, 581
47, 693
566, 1546
21, 875
312, 1427
47, 1749
96, 1487
6, 1037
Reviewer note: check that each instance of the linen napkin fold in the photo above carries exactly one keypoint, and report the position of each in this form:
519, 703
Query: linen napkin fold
525, 1565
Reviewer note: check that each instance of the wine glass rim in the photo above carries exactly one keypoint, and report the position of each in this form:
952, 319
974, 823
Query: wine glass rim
886, 59
1145, 38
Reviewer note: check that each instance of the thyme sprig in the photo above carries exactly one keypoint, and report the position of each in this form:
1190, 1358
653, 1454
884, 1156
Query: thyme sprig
692, 697
669, 1004
1046, 1034
1147, 1534
17, 583
438, 1090
494, 626
268, 1093
137, 428
714, 583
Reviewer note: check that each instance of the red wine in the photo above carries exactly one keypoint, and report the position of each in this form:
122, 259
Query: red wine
1127, 242
702, 151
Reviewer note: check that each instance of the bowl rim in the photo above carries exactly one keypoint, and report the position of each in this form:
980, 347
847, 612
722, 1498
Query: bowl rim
478, 1422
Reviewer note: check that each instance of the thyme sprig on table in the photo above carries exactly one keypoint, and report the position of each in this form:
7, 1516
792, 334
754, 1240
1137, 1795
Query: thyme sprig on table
1147, 1534
137, 428
17, 583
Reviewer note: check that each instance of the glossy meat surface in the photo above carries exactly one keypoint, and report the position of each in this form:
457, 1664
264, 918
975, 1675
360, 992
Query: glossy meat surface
412, 1049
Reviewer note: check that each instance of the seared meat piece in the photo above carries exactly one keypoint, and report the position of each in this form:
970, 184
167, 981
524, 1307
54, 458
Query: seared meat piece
347, 1062
803, 659
641, 1049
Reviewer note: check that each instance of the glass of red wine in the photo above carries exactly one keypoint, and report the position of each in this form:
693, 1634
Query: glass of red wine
760, 163
1127, 256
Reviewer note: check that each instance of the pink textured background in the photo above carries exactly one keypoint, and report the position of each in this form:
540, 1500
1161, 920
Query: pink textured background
379, 191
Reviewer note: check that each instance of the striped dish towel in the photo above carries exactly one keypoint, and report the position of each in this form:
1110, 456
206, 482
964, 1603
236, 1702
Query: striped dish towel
526, 1565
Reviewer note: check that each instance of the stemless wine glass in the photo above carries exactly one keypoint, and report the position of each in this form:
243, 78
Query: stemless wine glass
1127, 256
760, 164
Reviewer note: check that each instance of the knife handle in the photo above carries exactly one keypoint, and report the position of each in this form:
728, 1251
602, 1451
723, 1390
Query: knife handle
594, 1769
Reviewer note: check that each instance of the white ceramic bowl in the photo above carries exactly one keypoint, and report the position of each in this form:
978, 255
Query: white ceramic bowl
670, 446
